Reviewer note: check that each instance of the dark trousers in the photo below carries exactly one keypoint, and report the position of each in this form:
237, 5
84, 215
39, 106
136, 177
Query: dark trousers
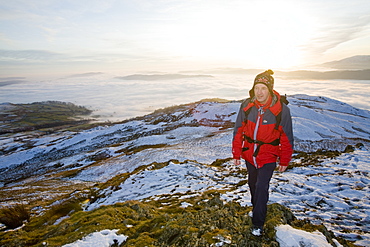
259, 184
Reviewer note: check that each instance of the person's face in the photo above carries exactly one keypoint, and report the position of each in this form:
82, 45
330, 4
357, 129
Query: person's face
261, 92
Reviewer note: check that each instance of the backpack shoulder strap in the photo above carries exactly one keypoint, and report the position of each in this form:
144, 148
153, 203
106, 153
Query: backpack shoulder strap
278, 120
246, 113
283, 99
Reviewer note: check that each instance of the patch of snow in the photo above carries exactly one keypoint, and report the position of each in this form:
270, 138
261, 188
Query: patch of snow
61, 219
104, 238
223, 240
288, 236
364, 242
185, 205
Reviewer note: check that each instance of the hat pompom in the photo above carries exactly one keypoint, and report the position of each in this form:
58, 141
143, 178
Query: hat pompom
270, 72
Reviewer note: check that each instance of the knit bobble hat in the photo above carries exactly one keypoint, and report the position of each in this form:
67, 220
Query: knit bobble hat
266, 79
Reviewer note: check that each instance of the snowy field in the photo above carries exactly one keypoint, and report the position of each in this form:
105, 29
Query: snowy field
334, 191
335, 194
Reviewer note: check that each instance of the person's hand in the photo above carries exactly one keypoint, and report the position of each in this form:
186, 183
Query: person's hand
282, 168
237, 162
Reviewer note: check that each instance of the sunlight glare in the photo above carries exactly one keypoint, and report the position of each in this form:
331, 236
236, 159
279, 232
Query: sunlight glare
271, 32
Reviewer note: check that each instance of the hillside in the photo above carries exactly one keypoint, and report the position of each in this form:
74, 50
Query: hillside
40, 115
352, 68
175, 160
327, 75
354, 62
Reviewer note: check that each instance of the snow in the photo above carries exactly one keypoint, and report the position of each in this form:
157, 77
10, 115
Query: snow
173, 178
314, 119
334, 192
185, 205
365, 241
319, 117
288, 236
104, 238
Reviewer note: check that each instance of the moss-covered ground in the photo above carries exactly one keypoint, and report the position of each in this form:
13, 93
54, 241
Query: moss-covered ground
205, 221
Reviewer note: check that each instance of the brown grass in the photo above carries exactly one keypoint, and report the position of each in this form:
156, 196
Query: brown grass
14, 216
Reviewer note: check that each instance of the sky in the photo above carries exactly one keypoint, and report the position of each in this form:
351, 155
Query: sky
59, 37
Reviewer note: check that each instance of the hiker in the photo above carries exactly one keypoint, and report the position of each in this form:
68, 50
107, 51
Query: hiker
263, 137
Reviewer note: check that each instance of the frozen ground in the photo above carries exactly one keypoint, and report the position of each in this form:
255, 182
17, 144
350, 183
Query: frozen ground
333, 191
286, 236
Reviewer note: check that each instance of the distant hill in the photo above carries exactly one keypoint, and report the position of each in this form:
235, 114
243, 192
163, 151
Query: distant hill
155, 77
16, 118
226, 71
345, 74
355, 62
327, 75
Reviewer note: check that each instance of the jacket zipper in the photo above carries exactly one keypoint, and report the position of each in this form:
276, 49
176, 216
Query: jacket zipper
260, 113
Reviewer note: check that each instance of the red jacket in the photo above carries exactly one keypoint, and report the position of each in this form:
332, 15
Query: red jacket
258, 139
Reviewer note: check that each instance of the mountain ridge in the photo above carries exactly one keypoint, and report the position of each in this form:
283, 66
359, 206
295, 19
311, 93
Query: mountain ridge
355, 62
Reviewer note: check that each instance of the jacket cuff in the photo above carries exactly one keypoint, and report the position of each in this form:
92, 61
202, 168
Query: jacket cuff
284, 164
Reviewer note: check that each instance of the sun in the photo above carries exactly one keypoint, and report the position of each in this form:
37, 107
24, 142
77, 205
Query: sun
258, 33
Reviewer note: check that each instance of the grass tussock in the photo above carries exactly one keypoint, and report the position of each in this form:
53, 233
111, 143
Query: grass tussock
317, 157
14, 216
56, 212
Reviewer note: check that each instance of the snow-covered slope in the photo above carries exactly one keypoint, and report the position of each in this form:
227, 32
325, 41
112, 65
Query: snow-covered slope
188, 139
318, 122
329, 122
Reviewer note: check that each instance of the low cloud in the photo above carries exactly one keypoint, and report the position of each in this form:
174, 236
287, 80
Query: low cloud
85, 74
4, 81
29, 55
